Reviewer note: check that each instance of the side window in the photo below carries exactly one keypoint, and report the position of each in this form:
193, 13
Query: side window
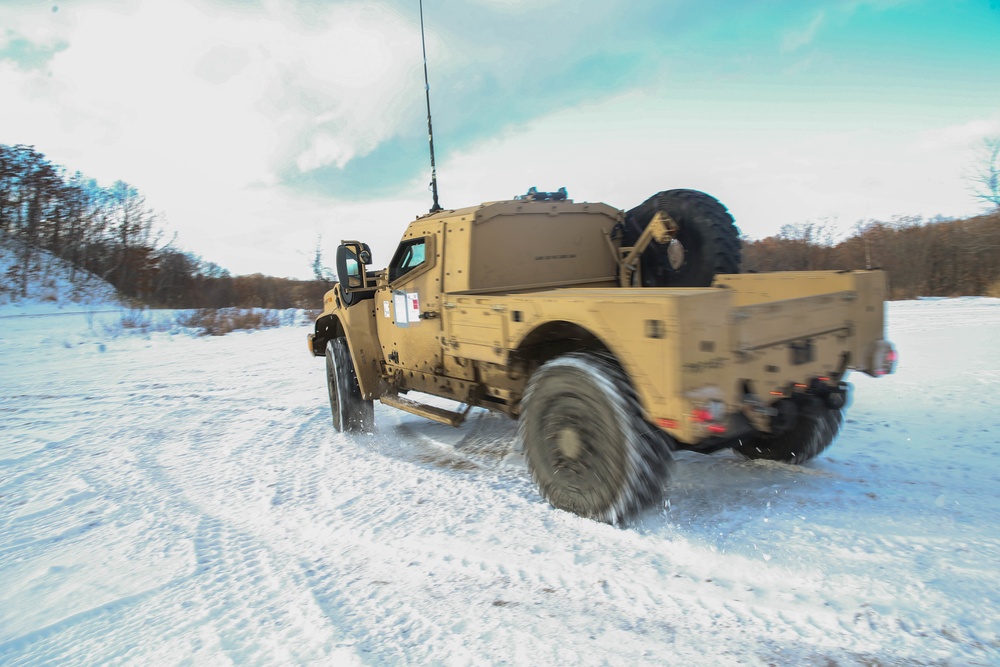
408, 256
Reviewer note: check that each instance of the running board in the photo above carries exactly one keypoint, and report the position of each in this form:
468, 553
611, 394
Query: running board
431, 412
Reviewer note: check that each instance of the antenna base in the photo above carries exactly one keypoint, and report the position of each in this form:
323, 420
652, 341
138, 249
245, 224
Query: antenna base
534, 195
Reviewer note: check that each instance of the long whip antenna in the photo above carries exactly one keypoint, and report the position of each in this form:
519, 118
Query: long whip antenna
430, 129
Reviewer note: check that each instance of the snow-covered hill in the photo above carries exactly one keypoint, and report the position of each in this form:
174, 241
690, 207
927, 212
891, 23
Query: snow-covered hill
174, 500
49, 285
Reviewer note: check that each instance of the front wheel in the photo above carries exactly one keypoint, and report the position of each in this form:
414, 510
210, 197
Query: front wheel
586, 443
351, 412
816, 427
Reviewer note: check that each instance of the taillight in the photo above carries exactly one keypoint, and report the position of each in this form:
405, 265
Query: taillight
701, 415
884, 359
711, 415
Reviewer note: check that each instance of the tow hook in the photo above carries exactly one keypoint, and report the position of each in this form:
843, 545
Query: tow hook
834, 396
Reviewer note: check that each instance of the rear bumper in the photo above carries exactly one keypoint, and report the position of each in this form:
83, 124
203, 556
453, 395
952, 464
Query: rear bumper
781, 415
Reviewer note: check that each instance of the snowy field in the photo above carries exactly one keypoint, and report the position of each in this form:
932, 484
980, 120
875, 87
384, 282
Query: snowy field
167, 499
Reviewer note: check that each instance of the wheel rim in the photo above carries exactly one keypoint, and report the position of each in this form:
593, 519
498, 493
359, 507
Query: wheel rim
573, 433
691, 257
675, 254
568, 443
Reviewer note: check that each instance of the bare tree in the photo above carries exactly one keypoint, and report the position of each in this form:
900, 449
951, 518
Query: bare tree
984, 181
131, 231
321, 272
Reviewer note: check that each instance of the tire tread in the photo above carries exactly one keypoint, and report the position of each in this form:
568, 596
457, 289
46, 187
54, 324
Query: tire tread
648, 459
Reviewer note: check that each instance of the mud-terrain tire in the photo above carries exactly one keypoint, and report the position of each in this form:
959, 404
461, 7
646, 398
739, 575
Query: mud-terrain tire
816, 427
351, 413
708, 234
585, 441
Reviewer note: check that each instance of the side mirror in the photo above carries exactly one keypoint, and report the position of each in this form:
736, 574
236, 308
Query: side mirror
352, 257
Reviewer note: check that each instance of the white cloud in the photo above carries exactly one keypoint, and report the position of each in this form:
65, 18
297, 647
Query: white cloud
515, 5
342, 77
961, 135
325, 148
199, 105
766, 173
804, 35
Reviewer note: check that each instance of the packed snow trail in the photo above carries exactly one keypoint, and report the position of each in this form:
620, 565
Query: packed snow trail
165, 500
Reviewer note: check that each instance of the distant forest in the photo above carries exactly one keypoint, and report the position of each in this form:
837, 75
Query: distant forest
923, 258
112, 233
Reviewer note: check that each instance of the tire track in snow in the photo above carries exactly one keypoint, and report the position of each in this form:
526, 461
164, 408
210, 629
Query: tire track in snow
478, 574
419, 544
487, 574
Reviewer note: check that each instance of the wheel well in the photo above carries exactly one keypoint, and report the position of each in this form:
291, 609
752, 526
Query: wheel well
327, 328
554, 339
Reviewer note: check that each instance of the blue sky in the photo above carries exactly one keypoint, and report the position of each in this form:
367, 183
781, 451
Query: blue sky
257, 127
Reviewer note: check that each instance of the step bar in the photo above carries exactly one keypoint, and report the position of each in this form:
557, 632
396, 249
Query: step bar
432, 412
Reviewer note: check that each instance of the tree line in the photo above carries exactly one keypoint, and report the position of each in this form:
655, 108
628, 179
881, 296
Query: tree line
112, 233
923, 257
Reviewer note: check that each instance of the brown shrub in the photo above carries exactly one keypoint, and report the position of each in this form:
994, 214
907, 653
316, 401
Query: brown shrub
220, 321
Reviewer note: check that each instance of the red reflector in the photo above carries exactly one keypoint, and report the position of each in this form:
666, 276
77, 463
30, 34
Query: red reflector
701, 415
667, 423
800, 386
777, 393
822, 379
716, 428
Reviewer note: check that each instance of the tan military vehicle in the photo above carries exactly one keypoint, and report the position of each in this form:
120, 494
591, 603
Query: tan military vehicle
614, 337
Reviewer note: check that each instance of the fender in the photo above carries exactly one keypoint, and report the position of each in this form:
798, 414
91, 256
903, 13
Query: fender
549, 339
357, 325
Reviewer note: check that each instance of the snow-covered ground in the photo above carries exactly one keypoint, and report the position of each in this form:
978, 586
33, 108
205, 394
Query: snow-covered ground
166, 499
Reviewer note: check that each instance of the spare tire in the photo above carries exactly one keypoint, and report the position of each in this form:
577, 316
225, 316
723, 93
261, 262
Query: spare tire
708, 236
